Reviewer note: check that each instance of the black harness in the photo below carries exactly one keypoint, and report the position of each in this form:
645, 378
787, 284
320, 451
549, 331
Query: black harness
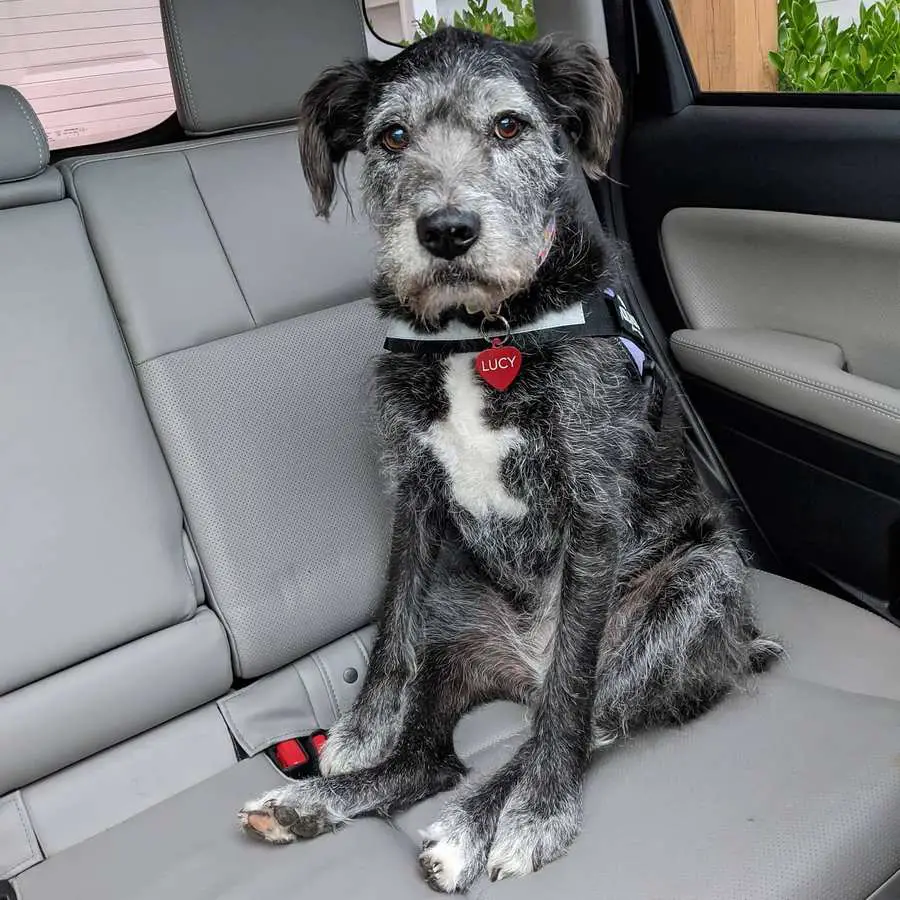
607, 315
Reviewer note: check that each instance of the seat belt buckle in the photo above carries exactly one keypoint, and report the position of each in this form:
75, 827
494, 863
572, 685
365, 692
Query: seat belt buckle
298, 757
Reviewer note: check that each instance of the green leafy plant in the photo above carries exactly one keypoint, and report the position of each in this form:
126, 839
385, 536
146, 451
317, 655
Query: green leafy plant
816, 54
478, 17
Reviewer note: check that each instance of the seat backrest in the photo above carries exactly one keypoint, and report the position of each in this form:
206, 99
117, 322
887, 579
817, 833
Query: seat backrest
100, 632
237, 307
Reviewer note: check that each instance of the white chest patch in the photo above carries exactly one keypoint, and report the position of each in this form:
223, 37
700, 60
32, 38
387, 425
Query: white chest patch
471, 452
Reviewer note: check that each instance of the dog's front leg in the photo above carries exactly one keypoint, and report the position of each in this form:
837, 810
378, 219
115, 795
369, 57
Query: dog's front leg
366, 734
529, 812
542, 815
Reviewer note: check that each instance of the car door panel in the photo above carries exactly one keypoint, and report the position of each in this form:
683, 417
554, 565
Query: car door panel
766, 232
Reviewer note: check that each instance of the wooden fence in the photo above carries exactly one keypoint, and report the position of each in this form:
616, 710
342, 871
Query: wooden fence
729, 42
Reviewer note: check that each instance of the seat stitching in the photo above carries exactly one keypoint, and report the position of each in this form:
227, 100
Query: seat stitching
811, 384
40, 146
212, 603
323, 674
182, 71
362, 648
305, 687
224, 709
33, 852
219, 238
200, 143
768, 367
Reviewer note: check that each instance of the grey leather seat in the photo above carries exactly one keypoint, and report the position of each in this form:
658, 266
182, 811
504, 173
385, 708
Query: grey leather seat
249, 341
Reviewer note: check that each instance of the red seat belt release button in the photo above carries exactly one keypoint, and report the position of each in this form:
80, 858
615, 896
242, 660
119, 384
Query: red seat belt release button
290, 755
318, 742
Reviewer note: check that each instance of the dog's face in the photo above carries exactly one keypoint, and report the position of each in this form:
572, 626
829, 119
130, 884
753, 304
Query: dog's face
463, 157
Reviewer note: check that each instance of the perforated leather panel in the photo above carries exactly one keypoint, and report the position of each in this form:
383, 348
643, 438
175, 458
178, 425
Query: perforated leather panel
271, 442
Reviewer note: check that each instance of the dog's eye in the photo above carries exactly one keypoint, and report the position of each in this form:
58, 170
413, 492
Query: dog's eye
395, 138
507, 127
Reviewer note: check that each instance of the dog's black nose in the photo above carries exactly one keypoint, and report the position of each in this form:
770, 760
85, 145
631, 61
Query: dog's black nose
449, 232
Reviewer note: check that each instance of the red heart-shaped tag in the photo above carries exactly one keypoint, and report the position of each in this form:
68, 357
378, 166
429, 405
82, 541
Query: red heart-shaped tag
499, 365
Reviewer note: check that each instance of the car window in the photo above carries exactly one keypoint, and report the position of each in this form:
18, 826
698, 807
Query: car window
94, 70
807, 46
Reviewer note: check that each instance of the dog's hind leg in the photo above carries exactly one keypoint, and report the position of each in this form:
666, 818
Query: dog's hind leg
678, 638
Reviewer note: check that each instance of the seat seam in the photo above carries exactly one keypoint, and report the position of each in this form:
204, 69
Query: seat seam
231, 724
329, 687
362, 648
811, 384
33, 852
199, 143
212, 603
302, 681
219, 238
181, 71
42, 163
187, 568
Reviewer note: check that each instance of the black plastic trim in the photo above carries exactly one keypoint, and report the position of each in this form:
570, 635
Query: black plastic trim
837, 162
666, 82
823, 500
797, 100
844, 457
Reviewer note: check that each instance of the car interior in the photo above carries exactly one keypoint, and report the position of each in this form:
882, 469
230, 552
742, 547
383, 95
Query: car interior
194, 528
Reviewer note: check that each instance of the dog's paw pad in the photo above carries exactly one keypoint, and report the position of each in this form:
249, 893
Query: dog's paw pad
278, 823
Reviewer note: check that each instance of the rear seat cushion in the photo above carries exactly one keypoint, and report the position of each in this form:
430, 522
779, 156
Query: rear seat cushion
190, 847
110, 787
100, 633
205, 240
90, 522
787, 791
68, 716
267, 427
274, 451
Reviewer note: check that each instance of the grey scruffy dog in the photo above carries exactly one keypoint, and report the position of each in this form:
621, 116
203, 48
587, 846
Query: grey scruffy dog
551, 545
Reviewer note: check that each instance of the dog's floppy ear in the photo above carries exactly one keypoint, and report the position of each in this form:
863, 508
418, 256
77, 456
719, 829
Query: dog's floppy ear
584, 95
332, 114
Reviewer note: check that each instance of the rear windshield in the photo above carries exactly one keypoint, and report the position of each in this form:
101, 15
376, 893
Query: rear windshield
94, 70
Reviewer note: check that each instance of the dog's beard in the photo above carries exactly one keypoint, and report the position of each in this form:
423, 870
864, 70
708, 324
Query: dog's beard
430, 288
473, 296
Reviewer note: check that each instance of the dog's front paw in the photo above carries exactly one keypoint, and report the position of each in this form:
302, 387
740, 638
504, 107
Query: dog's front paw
451, 859
348, 750
526, 840
360, 739
292, 813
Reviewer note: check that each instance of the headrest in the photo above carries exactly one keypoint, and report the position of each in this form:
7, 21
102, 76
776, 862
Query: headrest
24, 152
237, 63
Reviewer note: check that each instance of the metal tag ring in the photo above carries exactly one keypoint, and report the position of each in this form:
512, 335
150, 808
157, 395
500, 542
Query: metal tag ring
506, 329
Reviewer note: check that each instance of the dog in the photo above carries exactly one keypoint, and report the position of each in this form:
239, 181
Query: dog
552, 542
